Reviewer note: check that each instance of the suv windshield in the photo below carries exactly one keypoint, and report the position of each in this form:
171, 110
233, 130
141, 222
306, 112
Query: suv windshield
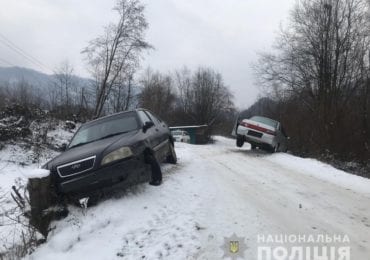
105, 128
265, 120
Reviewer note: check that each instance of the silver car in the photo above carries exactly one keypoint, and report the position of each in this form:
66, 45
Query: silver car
262, 132
181, 136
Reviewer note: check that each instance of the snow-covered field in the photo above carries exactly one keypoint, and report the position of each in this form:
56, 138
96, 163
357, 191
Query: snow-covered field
17, 162
215, 191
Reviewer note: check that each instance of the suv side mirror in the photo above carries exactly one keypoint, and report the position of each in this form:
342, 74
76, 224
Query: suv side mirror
63, 147
147, 125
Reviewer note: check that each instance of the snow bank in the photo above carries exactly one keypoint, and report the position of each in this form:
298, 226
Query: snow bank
19, 162
36, 173
306, 166
323, 171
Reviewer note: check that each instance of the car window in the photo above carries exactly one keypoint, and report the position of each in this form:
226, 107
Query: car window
265, 120
144, 117
155, 119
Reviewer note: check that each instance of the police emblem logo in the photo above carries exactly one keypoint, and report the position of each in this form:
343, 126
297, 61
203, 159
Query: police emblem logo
234, 247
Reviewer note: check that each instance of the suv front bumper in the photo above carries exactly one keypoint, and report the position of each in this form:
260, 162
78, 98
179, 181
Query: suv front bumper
130, 171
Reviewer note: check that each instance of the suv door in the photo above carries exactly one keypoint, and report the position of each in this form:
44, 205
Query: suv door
150, 133
163, 134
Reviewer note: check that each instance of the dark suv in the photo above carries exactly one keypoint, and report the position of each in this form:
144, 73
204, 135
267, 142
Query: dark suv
124, 147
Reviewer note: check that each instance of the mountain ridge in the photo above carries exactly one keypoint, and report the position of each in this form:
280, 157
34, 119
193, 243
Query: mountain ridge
41, 81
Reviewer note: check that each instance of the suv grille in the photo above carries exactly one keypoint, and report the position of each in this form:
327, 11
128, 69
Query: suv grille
76, 167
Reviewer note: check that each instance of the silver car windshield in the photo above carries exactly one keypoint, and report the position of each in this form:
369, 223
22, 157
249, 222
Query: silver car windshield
105, 128
265, 120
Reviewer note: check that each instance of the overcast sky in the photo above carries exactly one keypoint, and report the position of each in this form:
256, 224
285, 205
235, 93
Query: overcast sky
222, 34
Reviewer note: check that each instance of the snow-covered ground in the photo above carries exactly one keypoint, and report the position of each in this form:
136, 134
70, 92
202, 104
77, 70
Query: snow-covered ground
215, 191
18, 161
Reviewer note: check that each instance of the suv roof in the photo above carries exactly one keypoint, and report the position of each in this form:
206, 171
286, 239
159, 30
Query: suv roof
115, 114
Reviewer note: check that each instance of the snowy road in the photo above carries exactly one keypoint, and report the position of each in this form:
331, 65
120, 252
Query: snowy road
216, 191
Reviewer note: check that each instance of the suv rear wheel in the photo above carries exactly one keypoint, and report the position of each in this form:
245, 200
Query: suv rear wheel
239, 141
172, 157
275, 149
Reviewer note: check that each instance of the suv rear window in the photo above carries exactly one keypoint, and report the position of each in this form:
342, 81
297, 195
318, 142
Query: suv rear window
265, 120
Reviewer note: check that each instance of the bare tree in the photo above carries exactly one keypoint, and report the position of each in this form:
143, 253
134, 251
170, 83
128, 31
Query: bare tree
183, 81
319, 59
65, 82
157, 94
208, 97
115, 53
123, 93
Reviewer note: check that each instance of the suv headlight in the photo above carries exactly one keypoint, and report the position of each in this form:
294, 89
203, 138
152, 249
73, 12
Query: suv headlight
118, 154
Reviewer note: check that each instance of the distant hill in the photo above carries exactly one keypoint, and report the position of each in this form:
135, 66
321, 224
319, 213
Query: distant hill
41, 81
